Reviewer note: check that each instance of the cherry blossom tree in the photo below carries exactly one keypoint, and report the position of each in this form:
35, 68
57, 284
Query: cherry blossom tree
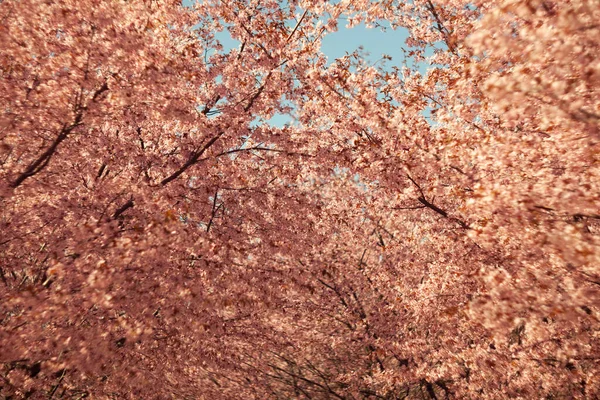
411, 235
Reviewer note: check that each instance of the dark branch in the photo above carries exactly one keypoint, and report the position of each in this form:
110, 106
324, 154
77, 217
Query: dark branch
362, 258
101, 171
258, 93
443, 213
210, 105
259, 148
214, 210
123, 208
417, 185
101, 90
194, 158
42, 161
433, 207
335, 290
578, 217
430, 390
296, 27
440, 26
325, 388
139, 132
242, 47
409, 208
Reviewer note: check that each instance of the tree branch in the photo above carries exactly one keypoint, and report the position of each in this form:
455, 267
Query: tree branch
296, 27
210, 105
123, 208
42, 161
214, 210
194, 158
435, 208
440, 26
258, 93
260, 148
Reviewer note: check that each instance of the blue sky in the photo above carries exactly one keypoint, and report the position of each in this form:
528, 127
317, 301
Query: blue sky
373, 41
337, 44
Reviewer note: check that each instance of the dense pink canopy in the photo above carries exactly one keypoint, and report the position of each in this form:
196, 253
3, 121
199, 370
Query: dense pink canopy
411, 235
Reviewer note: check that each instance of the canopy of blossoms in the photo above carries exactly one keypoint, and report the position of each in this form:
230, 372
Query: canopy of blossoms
412, 234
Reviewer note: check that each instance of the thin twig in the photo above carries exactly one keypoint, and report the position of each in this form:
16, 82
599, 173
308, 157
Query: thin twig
214, 210
51, 394
296, 27
259, 148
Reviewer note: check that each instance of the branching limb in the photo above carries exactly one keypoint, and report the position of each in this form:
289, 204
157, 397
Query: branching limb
428, 204
258, 93
440, 27
123, 208
42, 161
194, 158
